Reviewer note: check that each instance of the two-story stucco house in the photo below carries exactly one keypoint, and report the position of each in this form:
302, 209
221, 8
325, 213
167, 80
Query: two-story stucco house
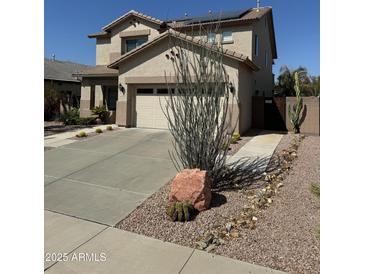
131, 64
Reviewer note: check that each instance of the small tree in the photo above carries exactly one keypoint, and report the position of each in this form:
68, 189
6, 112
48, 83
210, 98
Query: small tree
295, 110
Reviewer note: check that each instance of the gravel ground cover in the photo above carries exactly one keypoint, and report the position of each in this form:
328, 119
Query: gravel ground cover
284, 235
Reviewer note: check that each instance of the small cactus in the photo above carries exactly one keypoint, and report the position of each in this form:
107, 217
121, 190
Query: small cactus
98, 130
81, 134
109, 128
181, 212
235, 137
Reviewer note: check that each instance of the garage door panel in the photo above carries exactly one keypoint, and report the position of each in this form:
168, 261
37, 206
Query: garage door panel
149, 111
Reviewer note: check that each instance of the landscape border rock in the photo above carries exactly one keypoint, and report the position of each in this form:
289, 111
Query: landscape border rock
193, 186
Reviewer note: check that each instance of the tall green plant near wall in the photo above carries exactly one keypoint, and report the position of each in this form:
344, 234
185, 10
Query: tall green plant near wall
296, 109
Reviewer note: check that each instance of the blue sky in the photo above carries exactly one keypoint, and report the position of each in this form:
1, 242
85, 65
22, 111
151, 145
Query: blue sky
68, 22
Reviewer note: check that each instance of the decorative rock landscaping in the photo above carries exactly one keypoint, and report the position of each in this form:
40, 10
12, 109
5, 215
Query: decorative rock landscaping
240, 224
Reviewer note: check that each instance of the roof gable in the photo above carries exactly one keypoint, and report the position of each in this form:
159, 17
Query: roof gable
193, 40
129, 14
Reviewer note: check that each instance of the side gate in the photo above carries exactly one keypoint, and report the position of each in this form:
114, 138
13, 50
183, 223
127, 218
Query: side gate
269, 113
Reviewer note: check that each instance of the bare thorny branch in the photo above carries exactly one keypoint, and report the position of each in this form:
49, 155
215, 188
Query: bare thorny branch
198, 112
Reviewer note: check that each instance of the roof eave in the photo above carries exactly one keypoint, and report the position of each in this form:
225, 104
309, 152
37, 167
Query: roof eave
246, 60
106, 35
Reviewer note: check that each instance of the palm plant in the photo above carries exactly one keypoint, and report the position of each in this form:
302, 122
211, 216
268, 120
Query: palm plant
286, 80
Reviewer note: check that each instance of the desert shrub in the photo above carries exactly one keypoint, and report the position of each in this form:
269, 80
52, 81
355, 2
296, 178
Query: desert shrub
181, 212
101, 112
109, 128
70, 117
98, 130
51, 103
81, 134
86, 121
235, 137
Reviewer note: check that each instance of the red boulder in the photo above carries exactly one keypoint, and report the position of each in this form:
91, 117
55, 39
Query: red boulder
194, 186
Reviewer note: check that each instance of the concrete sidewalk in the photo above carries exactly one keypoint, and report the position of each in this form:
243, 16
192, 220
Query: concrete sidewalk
94, 248
259, 148
61, 139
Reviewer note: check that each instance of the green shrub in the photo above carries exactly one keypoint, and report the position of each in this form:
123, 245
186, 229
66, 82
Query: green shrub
181, 212
86, 121
98, 131
101, 112
71, 117
235, 137
109, 128
81, 134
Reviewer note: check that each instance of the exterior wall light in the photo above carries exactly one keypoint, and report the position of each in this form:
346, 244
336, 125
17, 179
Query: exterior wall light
121, 88
231, 87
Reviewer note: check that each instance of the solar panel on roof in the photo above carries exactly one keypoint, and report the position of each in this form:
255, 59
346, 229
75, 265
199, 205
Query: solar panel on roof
215, 16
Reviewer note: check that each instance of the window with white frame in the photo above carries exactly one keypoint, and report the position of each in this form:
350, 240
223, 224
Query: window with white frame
256, 45
227, 36
211, 37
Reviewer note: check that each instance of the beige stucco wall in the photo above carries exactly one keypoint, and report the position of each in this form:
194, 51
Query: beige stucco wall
102, 51
264, 80
91, 89
106, 48
153, 63
242, 38
310, 116
245, 92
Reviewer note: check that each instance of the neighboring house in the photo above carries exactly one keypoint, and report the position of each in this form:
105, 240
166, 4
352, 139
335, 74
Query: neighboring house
131, 64
58, 76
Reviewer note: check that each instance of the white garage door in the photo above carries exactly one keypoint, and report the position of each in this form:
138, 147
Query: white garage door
148, 108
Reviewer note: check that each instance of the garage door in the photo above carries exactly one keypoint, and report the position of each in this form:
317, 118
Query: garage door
148, 108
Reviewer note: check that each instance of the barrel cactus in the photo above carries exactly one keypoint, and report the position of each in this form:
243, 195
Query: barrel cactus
180, 211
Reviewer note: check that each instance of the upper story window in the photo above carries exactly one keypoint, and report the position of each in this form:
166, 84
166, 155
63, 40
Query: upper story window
211, 37
256, 45
227, 36
133, 43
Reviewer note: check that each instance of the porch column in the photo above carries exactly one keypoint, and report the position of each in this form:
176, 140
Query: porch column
122, 107
99, 101
85, 99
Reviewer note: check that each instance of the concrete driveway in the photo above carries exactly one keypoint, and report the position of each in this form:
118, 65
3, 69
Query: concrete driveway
103, 178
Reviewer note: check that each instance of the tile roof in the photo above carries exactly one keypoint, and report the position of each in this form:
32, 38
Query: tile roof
132, 13
96, 71
61, 70
194, 40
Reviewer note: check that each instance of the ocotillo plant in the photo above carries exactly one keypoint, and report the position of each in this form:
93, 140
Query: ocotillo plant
295, 110
198, 110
